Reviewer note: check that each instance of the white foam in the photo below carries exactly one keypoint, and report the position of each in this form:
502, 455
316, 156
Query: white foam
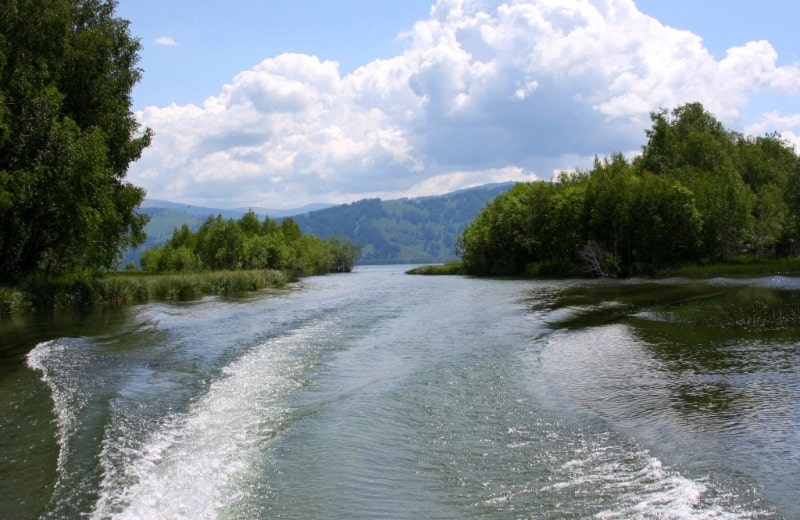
194, 466
656, 492
46, 358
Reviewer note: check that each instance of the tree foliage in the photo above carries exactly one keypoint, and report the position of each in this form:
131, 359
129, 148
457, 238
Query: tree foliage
67, 136
697, 193
247, 243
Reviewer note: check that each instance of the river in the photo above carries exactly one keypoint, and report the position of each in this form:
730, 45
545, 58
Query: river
377, 394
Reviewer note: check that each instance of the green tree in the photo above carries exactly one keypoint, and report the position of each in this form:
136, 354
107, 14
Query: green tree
771, 169
610, 195
790, 242
692, 146
665, 221
152, 259
220, 244
512, 231
182, 236
770, 219
567, 226
766, 160
291, 231
686, 136
169, 259
67, 136
250, 224
343, 254
266, 252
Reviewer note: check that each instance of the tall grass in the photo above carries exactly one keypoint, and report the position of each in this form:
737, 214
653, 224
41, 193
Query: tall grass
784, 266
82, 291
449, 268
12, 301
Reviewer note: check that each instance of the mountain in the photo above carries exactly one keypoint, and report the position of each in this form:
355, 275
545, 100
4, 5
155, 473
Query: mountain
418, 230
282, 213
409, 230
201, 211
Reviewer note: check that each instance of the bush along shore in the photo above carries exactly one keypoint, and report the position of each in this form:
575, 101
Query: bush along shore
84, 291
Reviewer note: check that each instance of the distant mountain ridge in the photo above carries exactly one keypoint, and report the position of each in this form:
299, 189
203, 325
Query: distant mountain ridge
408, 230
230, 213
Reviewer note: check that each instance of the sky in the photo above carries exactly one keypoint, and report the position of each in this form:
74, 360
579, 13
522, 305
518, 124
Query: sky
279, 104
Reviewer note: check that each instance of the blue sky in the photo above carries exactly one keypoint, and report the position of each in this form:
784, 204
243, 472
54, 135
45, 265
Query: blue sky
217, 40
277, 104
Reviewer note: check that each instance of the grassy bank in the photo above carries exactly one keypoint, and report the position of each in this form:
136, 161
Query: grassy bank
783, 266
40, 294
448, 268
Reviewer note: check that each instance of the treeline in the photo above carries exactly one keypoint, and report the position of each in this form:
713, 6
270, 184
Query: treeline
248, 243
698, 193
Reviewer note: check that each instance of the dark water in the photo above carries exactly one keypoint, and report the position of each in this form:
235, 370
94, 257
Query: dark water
382, 395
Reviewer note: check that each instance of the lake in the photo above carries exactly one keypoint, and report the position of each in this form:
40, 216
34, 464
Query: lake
376, 394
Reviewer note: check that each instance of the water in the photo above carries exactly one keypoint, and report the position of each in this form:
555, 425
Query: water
381, 395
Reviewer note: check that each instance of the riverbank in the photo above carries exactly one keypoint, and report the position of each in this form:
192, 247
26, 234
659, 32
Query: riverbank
782, 267
83, 291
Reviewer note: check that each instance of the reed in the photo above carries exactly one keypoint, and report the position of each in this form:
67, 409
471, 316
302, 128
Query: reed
781, 266
12, 301
83, 291
450, 268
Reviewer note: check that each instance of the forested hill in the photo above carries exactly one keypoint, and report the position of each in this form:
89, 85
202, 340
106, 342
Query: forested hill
419, 230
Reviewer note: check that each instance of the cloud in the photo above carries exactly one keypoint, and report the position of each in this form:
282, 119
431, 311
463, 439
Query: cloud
483, 93
788, 126
166, 41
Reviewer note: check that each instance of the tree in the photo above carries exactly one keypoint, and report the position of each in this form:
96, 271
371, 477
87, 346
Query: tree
637, 220
770, 167
220, 244
250, 224
567, 223
67, 136
610, 194
512, 231
692, 146
687, 136
770, 216
344, 254
266, 252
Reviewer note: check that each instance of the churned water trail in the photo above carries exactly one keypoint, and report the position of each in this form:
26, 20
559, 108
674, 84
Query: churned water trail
382, 395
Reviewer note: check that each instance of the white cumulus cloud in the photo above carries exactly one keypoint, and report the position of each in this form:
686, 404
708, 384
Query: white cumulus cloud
166, 41
484, 92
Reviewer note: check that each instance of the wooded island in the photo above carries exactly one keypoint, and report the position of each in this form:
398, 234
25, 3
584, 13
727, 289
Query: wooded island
698, 193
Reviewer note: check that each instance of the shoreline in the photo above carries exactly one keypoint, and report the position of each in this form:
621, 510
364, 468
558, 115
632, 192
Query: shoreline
779, 267
86, 291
